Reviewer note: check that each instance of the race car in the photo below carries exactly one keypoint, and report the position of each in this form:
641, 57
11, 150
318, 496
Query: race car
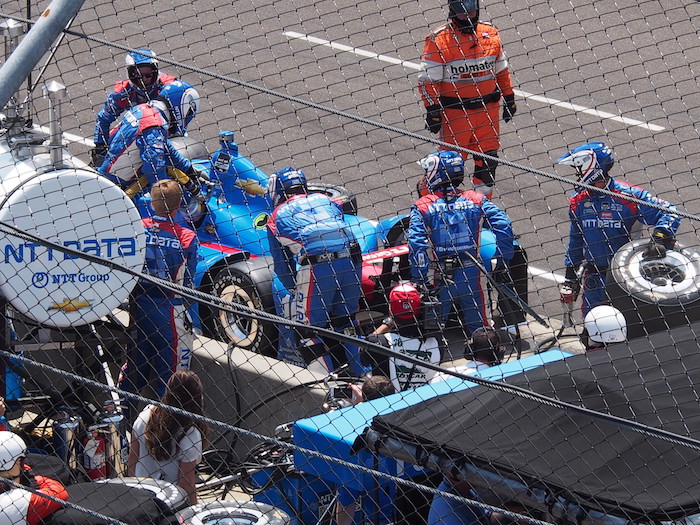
235, 264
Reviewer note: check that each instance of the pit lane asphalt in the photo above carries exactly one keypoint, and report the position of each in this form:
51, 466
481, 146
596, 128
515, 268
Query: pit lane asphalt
637, 61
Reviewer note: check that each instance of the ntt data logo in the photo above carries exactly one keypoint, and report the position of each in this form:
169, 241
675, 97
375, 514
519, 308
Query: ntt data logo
106, 248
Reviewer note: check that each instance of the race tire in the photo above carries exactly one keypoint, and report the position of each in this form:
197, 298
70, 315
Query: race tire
654, 294
345, 197
189, 148
171, 495
233, 512
248, 283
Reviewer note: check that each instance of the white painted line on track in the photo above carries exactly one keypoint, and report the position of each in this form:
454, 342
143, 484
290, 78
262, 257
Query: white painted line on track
538, 98
589, 111
550, 276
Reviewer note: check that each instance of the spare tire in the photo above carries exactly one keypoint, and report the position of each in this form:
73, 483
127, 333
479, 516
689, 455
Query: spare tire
172, 496
654, 294
232, 513
341, 194
675, 279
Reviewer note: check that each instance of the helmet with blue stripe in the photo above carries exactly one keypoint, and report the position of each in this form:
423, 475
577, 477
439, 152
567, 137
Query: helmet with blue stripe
443, 169
593, 161
139, 77
183, 103
287, 181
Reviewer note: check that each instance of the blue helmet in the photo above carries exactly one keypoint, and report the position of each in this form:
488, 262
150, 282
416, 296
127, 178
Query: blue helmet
593, 161
182, 102
142, 57
442, 169
285, 182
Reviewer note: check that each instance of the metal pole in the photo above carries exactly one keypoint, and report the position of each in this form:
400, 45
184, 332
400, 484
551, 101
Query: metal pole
34, 45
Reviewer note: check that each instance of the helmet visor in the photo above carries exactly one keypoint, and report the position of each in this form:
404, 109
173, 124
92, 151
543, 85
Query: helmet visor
142, 75
460, 7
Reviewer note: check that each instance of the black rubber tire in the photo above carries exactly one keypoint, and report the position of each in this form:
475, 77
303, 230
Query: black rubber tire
248, 283
654, 295
189, 148
172, 495
675, 279
244, 512
347, 199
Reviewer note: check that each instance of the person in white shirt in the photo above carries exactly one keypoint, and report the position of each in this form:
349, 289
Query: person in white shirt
166, 445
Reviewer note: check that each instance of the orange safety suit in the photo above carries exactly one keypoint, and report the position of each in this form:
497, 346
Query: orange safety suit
466, 74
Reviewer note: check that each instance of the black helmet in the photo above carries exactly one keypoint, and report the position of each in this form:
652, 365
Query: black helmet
462, 7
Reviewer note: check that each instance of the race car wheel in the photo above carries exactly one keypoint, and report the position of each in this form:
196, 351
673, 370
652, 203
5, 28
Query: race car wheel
233, 513
654, 294
345, 197
247, 283
189, 148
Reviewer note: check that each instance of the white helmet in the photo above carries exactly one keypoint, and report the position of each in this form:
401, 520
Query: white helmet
12, 447
605, 324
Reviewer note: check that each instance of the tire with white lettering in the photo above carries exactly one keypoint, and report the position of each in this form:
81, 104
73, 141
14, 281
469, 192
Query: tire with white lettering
234, 513
249, 284
671, 280
654, 294
341, 194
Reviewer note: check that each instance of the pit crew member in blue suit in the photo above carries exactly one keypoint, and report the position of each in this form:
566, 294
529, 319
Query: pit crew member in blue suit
139, 145
444, 225
164, 337
601, 224
316, 255
143, 84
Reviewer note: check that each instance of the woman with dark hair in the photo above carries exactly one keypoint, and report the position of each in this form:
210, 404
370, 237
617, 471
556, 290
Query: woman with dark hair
166, 445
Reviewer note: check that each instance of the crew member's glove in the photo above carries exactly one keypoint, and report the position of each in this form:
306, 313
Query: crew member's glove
98, 154
509, 107
192, 187
570, 288
659, 243
199, 175
433, 118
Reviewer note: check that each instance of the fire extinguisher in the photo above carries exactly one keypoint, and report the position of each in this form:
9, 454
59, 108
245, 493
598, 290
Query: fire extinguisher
94, 458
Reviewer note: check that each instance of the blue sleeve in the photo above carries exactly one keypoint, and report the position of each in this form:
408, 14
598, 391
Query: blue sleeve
499, 223
574, 253
192, 260
107, 115
152, 147
418, 246
285, 264
664, 219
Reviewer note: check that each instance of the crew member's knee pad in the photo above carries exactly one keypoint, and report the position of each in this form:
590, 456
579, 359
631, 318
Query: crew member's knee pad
485, 173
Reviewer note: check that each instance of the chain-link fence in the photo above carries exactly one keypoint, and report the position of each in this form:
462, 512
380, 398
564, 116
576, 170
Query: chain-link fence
108, 288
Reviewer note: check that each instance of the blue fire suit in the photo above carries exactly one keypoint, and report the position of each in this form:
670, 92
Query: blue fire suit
163, 338
138, 146
602, 224
124, 96
443, 227
316, 255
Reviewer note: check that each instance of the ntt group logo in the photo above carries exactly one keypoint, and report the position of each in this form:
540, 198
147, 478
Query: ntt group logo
26, 254
43, 279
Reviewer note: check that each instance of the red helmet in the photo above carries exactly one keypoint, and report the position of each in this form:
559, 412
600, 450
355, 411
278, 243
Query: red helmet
404, 301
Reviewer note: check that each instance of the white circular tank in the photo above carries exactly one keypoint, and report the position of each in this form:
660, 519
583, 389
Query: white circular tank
74, 208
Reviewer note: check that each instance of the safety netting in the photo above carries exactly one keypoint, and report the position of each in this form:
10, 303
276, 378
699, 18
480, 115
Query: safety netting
99, 307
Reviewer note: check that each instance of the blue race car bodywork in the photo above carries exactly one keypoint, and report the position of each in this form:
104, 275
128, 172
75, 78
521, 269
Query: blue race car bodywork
235, 265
